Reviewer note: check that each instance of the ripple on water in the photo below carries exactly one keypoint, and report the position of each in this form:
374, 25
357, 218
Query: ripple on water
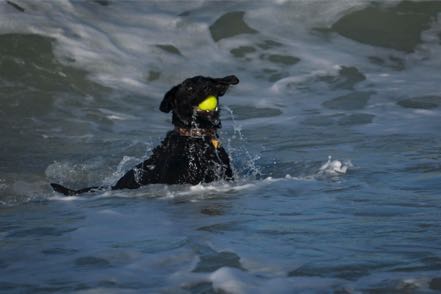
388, 26
340, 119
356, 119
40, 232
352, 101
242, 51
247, 112
92, 262
325, 228
347, 78
59, 251
229, 25
424, 102
217, 260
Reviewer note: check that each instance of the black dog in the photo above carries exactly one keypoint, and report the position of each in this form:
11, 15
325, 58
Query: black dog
189, 154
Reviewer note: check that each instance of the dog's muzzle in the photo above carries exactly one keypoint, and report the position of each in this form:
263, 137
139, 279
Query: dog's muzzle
207, 119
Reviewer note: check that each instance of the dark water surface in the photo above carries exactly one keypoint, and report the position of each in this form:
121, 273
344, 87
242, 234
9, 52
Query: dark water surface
334, 132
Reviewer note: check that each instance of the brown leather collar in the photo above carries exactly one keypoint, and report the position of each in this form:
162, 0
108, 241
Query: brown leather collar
196, 132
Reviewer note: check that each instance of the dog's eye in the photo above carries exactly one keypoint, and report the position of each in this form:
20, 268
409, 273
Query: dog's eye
189, 89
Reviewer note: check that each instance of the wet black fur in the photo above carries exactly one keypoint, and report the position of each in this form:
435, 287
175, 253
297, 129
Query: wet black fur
181, 159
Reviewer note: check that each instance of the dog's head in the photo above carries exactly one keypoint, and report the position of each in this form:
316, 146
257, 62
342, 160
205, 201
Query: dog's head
195, 101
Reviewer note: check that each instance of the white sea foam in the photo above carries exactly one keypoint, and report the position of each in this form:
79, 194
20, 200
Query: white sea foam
126, 163
66, 198
117, 43
114, 115
334, 167
235, 281
201, 191
66, 172
205, 191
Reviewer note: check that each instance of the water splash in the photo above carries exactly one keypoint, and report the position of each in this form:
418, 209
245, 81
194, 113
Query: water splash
218, 189
68, 173
126, 163
334, 167
247, 162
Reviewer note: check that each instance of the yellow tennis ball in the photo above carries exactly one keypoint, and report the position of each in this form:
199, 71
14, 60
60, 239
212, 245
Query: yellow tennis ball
209, 104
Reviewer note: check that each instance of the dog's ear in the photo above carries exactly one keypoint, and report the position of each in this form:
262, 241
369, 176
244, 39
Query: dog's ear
168, 103
228, 80
224, 83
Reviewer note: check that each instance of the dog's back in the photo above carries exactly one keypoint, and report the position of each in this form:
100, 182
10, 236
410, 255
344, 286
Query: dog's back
181, 160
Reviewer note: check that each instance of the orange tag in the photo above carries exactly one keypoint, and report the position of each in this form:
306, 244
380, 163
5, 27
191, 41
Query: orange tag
216, 143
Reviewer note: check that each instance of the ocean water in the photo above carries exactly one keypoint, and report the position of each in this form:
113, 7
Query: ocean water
334, 133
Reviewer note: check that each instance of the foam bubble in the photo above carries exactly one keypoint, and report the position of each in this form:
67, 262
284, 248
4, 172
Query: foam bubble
66, 172
119, 44
334, 167
3, 185
233, 280
126, 163
204, 191
66, 198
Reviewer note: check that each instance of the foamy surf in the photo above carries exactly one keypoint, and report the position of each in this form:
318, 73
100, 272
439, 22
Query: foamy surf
201, 191
334, 167
80, 84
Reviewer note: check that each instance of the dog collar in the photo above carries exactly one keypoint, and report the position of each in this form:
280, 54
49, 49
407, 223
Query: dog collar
186, 132
190, 132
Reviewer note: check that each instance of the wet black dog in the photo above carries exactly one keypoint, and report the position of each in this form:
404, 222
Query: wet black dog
189, 154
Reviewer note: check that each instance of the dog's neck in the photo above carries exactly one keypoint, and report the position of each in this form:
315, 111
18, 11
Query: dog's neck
196, 132
200, 133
